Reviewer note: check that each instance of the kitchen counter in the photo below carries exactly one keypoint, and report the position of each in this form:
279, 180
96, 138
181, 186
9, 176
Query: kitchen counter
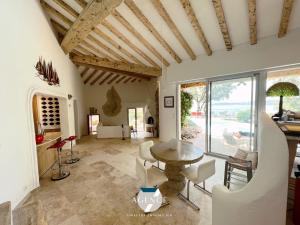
49, 137
47, 157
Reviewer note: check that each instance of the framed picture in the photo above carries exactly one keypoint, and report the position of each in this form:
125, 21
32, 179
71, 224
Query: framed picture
169, 101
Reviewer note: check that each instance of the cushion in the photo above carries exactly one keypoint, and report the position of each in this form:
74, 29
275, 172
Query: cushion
241, 154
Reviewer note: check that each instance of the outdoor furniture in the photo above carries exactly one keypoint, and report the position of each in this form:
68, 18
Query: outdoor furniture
144, 152
263, 200
243, 161
197, 174
176, 154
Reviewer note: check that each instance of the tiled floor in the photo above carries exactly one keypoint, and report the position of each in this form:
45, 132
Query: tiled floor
100, 188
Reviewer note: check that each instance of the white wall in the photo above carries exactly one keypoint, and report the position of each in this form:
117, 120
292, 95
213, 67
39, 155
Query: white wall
25, 37
267, 53
132, 95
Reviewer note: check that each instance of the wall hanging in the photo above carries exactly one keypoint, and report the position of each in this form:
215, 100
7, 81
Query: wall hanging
169, 101
46, 72
113, 105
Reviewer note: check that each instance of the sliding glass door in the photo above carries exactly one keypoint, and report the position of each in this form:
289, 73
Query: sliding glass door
231, 115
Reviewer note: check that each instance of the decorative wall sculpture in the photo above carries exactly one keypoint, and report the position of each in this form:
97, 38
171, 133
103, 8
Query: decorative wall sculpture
46, 72
113, 105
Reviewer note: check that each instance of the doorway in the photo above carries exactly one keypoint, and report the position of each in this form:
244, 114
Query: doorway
76, 118
231, 118
136, 119
219, 115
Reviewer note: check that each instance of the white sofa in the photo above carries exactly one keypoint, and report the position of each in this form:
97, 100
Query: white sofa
263, 200
112, 131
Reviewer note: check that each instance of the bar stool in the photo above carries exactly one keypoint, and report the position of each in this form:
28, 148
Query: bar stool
61, 172
72, 160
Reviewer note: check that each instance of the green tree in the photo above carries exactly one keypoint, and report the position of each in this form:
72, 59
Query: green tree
219, 92
244, 116
186, 105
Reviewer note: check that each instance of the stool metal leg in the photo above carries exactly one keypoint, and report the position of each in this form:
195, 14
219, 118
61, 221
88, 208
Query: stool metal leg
202, 188
187, 198
61, 172
72, 160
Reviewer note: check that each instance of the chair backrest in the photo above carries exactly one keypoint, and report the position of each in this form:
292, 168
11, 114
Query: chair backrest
247, 155
253, 157
206, 170
141, 171
144, 149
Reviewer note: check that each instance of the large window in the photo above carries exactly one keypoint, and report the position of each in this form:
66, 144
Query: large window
221, 115
231, 115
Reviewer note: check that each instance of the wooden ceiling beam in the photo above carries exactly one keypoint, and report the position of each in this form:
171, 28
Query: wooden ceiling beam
84, 71
77, 52
128, 79
166, 17
137, 34
49, 9
138, 13
252, 21
186, 4
113, 79
84, 51
285, 17
67, 8
58, 27
116, 66
129, 43
117, 46
122, 78
106, 78
90, 76
107, 49
222, 23
93, 14
96, 50
82, 3
98, 77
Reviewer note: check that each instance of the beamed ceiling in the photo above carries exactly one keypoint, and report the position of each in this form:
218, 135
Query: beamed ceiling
127, 41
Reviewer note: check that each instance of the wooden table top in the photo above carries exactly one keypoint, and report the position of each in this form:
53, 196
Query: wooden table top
176, 151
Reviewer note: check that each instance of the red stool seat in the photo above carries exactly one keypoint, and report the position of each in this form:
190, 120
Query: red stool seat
71, 138
58, 144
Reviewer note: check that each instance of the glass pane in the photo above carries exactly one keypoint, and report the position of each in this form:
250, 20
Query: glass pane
140, 119
131, 118
94, 122
193, 126
232, 117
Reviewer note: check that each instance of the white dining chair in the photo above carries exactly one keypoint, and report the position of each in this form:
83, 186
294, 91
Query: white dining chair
197, 174
149, 177
145, 154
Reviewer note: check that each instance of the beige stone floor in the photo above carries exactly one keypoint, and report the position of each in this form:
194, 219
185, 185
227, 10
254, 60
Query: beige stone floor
100, 188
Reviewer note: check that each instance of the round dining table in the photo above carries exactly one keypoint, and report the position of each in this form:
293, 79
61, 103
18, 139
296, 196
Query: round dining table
176, 154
